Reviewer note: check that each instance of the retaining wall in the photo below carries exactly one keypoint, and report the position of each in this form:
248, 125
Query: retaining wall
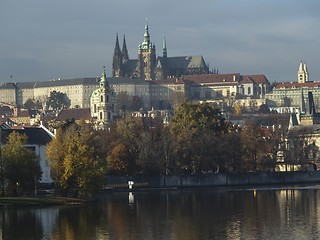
214, 180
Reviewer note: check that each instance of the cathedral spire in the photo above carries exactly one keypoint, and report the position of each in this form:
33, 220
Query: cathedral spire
125, 55
117, 59
146, 37
117, 47
164, 54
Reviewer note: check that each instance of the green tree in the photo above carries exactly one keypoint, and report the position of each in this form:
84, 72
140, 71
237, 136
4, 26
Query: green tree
123, 103
29, 104
229, 152
76, 160
20, 166
58, 100
196, 128
198, 116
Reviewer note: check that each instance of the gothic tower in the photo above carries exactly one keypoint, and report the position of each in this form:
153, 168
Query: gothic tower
146, 57
164, 48
125, 55
161, 65
303, 75
117, 66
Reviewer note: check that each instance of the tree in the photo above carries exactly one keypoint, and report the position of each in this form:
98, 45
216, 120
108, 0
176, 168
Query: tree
176, 99
196, 128
119, 160
257, 147
20, 166
76, 160
29, 104
237, 109
264, 109
198, 116
58, 100
123, 102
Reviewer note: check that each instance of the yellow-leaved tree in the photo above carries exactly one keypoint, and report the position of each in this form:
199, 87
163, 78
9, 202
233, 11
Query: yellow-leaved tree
75, 159
20, 167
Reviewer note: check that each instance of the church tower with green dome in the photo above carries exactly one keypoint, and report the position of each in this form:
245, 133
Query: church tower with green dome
146, 57
103, 103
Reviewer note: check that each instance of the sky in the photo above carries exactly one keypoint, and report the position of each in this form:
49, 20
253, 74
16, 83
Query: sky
42, 40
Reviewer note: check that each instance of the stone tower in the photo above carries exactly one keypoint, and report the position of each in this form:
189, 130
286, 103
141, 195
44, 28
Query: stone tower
103, 103
125, 55
303, 75
146, 57
117, 66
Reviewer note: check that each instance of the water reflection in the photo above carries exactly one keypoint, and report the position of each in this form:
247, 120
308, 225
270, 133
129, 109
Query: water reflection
177, 215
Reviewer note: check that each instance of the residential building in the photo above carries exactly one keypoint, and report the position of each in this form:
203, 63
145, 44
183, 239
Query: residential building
37, 140
289, 96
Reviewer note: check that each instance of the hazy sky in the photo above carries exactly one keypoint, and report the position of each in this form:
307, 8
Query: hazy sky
42, 39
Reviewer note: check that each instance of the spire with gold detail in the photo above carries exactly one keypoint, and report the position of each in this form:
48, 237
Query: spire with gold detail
146, 44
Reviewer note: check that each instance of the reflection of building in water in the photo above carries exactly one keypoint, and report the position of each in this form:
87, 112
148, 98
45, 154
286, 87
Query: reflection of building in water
299, 204
48, 219
233, 228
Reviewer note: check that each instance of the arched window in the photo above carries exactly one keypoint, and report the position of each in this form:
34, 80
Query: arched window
249, 90
100, 115
101, 98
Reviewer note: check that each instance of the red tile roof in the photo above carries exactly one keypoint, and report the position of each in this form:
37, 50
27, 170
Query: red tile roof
74, 113
225, 78
257, 78
296, 85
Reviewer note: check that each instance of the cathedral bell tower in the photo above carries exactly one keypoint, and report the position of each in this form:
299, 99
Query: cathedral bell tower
117, 66
146, 57
303, 75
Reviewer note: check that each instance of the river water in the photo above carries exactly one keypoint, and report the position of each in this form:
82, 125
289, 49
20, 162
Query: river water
192, 214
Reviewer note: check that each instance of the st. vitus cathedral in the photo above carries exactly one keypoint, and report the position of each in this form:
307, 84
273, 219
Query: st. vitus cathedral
150, 67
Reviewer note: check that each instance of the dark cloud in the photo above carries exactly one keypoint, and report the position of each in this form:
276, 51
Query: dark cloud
41, 40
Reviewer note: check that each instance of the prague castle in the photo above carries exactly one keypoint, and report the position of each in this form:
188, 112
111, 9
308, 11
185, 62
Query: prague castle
156, 81
150, 67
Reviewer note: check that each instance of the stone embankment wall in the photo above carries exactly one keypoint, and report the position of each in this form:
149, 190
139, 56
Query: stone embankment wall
215, 180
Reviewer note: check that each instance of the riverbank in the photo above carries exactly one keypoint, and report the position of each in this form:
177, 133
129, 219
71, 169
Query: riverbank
212, 180
18, 202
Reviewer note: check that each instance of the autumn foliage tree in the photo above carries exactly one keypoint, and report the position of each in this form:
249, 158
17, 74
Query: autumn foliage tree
119, 160
19, 166
76, 159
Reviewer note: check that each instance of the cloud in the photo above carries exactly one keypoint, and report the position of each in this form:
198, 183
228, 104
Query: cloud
76, 38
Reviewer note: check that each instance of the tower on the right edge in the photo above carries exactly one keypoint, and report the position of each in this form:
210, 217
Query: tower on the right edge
303, 75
